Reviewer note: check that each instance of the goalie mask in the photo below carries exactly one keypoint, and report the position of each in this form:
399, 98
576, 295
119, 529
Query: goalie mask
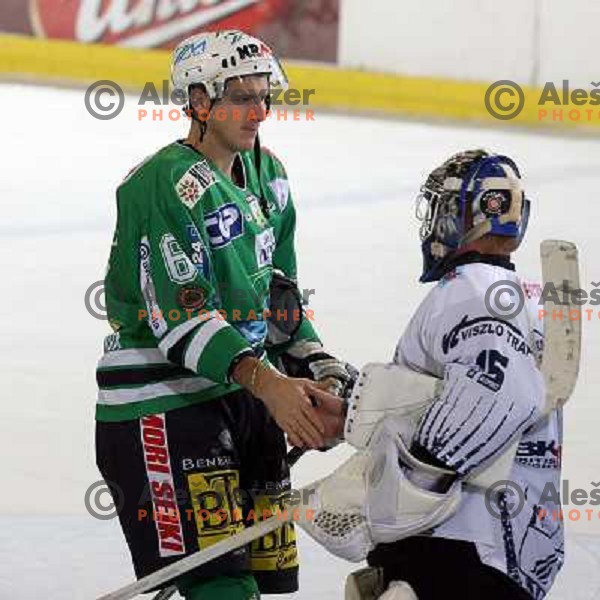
471, 195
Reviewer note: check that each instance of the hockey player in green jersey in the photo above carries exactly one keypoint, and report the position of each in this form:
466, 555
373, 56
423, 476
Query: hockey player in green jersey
191, 413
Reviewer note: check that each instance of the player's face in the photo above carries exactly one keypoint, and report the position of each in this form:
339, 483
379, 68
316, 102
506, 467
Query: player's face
236, 118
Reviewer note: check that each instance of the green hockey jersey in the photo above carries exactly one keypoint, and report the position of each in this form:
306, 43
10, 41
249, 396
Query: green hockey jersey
188, 278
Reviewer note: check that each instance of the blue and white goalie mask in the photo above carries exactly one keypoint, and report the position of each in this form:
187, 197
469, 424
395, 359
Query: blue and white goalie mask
471, 195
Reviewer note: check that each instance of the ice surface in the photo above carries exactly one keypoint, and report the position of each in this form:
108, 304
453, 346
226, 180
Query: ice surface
354, 180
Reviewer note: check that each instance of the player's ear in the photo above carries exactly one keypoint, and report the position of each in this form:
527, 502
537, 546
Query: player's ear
198, 98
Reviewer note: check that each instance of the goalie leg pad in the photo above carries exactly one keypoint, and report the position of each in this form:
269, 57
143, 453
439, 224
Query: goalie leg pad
369, 584
365, 584
399, 590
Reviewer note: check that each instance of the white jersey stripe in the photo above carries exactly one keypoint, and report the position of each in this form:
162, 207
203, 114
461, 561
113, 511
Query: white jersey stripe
200, 341
154, 390
176, 334
134, 356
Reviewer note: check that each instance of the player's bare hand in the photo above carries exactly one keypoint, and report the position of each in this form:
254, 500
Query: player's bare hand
289, 402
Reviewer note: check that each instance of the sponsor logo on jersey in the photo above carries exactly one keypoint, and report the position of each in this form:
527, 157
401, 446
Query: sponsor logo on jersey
257, 212
532, 290
224, 225
450, 276
276, 551
162, 488
217, 511
540, 454
188, 464
265, 246
281, 189
155, 318
468, 329
194, 182
192, 298
199, 254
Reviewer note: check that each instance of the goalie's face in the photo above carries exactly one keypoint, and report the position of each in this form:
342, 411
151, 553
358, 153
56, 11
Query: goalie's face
439, 212
440, 230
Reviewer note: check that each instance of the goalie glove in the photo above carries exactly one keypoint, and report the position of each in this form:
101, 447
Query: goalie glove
309, 360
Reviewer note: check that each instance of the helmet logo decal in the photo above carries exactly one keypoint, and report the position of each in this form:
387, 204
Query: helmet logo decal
189, 50
493, 203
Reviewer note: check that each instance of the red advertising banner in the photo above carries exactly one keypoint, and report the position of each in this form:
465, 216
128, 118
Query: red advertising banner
303, 29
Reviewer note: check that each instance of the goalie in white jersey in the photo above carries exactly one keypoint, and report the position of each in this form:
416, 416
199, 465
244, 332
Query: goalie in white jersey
429, 513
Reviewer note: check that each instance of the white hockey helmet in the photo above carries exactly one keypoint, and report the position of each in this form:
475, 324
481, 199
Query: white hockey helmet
214, 57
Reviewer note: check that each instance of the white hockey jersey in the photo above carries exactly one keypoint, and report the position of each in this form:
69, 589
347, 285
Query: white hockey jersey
513, 531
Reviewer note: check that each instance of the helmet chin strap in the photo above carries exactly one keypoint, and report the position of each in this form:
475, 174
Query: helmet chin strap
264, 205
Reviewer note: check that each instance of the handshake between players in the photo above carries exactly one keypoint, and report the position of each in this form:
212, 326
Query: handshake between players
456, 409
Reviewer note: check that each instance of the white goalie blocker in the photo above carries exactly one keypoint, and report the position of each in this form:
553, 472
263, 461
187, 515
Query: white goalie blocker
383, 493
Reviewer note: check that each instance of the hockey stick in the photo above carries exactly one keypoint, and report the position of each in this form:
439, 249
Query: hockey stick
562, 334
201, 557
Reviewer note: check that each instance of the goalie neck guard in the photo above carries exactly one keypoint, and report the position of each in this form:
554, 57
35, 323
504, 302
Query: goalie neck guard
473, 194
